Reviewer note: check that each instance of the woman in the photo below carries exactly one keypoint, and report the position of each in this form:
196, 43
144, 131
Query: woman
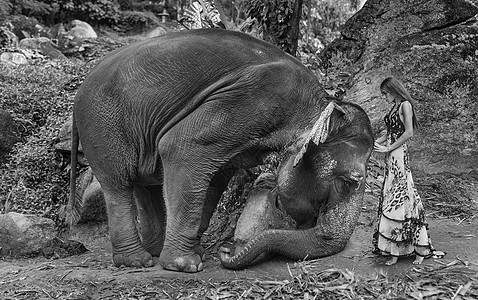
401, 230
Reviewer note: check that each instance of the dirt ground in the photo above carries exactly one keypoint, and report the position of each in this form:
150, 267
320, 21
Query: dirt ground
92, 275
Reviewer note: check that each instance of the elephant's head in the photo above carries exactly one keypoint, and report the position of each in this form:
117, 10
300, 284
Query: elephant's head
320, 185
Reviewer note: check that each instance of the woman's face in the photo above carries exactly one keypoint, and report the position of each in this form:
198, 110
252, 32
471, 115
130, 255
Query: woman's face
388, 97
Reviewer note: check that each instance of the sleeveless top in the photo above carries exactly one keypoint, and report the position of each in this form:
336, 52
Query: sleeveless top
395, 126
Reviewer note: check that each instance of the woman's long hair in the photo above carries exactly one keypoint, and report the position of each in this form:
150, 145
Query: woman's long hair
396, 89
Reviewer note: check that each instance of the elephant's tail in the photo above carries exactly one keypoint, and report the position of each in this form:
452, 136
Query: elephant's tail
74, 203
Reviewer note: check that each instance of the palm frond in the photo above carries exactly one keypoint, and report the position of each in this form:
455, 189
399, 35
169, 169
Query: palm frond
201, 14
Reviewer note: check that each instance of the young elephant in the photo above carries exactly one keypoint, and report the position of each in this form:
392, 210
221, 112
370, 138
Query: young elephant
165, 122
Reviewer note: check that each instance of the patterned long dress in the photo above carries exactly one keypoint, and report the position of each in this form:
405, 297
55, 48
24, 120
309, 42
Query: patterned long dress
402, 229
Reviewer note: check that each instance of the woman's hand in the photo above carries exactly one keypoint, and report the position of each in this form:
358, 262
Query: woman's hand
380, 148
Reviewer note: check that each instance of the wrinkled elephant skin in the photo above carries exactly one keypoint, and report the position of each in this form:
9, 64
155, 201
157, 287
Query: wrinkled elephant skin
165, 123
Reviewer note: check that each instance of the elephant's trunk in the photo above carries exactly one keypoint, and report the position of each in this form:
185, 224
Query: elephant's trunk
294, 244
330, 236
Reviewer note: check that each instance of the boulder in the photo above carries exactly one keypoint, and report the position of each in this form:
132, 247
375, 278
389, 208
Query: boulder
56, 31
431, 46
93, 205
62, 143
8, 135
42, 45
81, 30
24, 235
15, 58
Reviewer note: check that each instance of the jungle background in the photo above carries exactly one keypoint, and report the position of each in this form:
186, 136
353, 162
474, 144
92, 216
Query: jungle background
350, 45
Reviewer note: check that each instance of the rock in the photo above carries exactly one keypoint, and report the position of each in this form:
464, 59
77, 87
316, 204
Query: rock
33, 43
24, 235
431, 47
89, 205
93, 205
63, 143
57, 31
13, 58
43, 45
8, 135
81, 30
41, 31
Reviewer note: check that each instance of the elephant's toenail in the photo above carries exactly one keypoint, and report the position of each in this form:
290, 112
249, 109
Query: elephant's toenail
191, 269
149, 263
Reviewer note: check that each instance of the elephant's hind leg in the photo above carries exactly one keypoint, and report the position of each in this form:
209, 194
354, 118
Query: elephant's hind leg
152, 217
127, 248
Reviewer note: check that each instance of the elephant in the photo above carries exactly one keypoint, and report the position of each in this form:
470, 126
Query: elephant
165, 122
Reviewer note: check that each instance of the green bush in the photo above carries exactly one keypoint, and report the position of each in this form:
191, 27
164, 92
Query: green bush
137, 20
24, 23
38, 98
97, 12
32, 8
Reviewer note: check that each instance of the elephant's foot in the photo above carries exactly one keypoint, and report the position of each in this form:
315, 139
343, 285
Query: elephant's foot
153, 247
186, 262
199, 250
136, 260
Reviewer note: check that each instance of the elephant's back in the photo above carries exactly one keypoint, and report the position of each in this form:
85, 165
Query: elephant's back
221, 48
164, 74
198, 57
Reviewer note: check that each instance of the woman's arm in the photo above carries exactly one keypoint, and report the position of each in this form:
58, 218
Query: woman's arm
407, 112
381, 139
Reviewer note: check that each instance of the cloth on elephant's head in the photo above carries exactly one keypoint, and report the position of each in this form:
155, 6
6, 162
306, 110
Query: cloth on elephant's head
319, 131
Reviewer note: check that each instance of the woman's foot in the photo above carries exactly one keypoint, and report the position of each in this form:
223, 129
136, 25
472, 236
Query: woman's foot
391, 261
418, 260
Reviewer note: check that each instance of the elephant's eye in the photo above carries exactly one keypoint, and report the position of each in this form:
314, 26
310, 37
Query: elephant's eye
346, 184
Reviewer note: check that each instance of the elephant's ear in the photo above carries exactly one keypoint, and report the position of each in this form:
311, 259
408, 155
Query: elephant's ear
319, 131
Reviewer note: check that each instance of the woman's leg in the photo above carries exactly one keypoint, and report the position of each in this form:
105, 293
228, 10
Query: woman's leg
418, 260
392, 261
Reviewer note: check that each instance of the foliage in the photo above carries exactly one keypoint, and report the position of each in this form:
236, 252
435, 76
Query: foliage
98, 12
324, 18
320, 25
24, 23
275, 19
201, 14
39, 97
137, 20
31, 180
31, 7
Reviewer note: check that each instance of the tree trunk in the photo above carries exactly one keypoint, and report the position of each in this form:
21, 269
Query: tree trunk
288, 40
295, 27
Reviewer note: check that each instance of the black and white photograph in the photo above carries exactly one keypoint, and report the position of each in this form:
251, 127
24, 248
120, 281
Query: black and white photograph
239, 149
